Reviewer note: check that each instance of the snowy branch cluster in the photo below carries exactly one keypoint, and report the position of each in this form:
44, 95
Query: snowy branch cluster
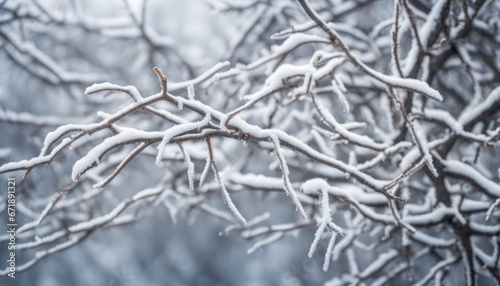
380, 134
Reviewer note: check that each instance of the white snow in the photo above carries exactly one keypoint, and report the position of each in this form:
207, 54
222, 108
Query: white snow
328, 254
492, 208
284, 170
462, 169
379, 263
268, 240
205, 171
178, 130
190, 167
109, 87
201, 78
257, 181
474, 112
93, 157
357, 139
